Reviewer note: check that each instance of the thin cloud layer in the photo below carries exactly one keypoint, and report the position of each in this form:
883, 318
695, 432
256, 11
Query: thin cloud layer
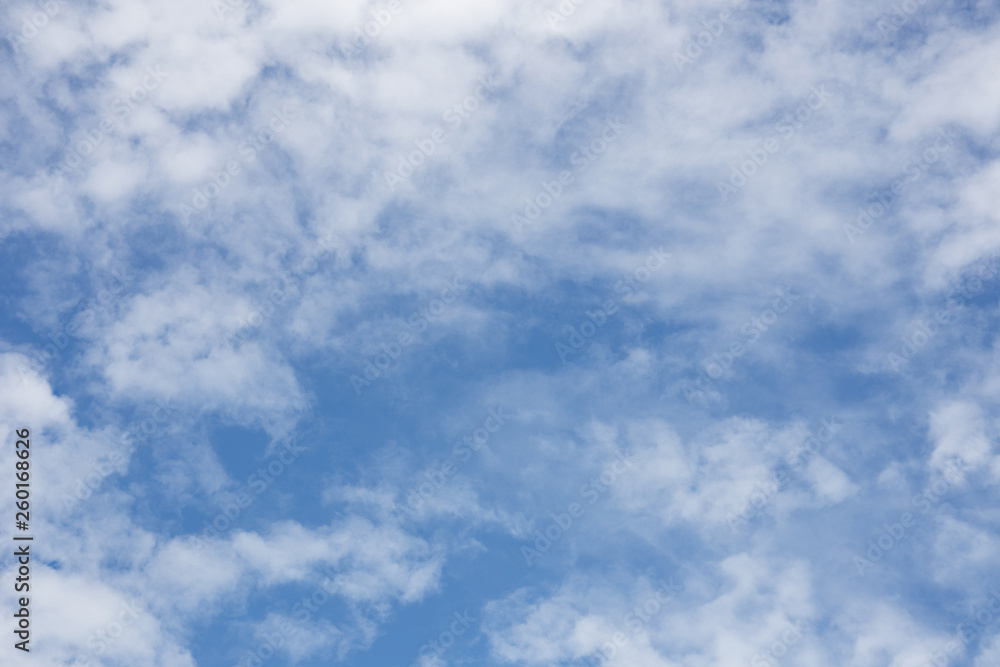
505, 334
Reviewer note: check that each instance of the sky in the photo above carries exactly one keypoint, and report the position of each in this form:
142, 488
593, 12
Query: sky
423, 334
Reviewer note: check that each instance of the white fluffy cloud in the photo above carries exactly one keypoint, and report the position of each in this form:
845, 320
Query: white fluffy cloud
796, 146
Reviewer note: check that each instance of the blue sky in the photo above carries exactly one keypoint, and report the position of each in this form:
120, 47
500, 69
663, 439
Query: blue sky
541, 334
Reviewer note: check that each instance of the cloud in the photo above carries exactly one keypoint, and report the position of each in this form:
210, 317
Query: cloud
212, 149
